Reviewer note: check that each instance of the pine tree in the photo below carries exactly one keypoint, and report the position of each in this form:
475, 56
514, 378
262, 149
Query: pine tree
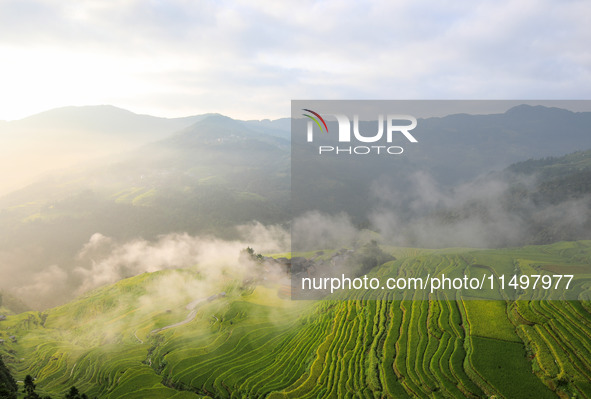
73, 394
6, 392
29, 388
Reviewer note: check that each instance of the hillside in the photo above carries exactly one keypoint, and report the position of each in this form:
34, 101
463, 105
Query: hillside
538, 201
251, 342
442, 170
9, 304
218, 173
67, 136
214, 157
205, 179
189, 318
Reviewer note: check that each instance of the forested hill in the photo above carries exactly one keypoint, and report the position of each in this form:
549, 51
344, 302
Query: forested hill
538, 201
216, 173
561, 187
8, 386
559, 178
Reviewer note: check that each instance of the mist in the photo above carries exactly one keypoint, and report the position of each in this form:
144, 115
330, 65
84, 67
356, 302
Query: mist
103, 260
170, 193
497, 210
186, 202
315, 230
491, 211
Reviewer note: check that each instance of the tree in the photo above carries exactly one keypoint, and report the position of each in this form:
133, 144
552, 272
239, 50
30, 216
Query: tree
73, 394
6, 392
8, 387
29, 388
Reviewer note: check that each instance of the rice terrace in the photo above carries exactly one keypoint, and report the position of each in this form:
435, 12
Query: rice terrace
252, 343
165, 271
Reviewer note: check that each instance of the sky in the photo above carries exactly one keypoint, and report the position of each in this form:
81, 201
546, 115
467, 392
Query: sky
249, 59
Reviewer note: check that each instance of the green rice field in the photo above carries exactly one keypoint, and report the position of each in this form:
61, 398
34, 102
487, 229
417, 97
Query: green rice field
254, 343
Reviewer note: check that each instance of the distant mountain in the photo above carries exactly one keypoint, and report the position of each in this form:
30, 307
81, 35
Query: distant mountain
225, 330
557, 167
280, 127
219, 128
214, 153
451, 150
11, 305
62, 137
539, 201
103, 119
205, 179
216, 172
481, 143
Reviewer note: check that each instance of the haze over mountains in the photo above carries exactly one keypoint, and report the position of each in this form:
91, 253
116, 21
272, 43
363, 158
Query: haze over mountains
66, 136
146, 181
451, 150
63, 137
208, 176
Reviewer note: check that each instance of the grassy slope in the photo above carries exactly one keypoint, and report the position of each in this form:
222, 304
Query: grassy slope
254, 344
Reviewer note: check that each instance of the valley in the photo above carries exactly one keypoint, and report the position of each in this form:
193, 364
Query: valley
134, 274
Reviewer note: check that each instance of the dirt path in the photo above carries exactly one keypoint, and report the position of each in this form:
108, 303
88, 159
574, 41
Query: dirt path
188, 319
72, 371
193, 312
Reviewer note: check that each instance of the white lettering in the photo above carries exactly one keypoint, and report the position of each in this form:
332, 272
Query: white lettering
402, 129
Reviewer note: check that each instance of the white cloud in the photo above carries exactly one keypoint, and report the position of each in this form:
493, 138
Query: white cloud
248, 59
105, 261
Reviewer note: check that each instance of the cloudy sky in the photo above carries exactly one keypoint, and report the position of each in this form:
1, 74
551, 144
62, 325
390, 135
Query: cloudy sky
248, 59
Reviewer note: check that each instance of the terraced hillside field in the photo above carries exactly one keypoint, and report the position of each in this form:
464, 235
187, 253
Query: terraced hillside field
251, 343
